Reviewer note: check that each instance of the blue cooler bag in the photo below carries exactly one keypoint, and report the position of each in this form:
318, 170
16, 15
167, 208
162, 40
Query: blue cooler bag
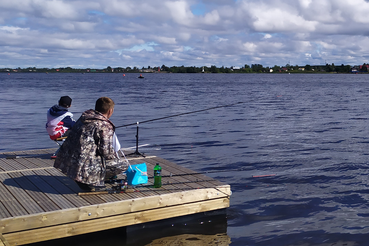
137, 174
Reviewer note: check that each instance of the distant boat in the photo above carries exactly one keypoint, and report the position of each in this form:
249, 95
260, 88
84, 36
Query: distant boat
203, 70
141, 77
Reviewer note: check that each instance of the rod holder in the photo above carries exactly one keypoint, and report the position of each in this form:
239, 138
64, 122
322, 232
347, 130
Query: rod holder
137, 152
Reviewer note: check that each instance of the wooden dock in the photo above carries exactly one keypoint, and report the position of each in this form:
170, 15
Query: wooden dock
39, 203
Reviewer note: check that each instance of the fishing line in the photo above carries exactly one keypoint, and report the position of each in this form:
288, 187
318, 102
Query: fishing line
171, 116
206, 172
219, 171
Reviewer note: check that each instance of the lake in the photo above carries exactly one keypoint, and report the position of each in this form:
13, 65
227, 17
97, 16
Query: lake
295, 150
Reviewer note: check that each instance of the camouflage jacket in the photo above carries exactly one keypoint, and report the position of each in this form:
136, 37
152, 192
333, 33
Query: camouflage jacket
87, 150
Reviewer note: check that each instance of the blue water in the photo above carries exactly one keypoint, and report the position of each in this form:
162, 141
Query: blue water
308, 132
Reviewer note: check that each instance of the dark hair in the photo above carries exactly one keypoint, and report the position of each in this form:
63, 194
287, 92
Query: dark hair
65, 101
103, 104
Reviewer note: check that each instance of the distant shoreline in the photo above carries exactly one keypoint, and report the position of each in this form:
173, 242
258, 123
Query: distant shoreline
291, 72
254, 68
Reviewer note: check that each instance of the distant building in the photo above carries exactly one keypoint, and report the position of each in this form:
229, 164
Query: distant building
149, 70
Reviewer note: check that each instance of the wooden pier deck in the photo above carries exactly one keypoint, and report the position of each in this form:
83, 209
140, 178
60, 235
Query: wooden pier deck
39, 203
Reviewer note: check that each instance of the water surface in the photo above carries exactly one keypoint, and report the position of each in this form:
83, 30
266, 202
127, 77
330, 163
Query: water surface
307, 133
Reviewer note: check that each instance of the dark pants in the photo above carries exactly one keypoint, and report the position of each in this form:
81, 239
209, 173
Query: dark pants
87, 187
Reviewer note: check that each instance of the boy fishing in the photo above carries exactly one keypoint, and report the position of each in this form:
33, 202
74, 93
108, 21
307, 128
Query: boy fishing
87, 155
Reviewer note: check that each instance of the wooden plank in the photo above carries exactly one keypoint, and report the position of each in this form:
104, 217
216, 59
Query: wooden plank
49, 191
16, 164
25, 163
78, 228
147, 191
225, 189
8, 153
4, 212
86, 214
187, 180
136, 194
124, 196
171, 164
40, 162
177, 184
61, 188
91, 200
18, 193
5, 166
41, 199
94, 200
171, 168
108, 198
28, 169
2, 169
108, 209
30, 152
64, 179
10, 203
3, 241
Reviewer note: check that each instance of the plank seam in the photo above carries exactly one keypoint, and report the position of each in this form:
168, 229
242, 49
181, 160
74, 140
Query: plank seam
3, 240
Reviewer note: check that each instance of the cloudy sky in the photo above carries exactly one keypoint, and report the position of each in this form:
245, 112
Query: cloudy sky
122, 33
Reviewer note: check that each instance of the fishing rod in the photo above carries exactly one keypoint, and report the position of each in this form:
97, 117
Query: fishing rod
219, 171
206, 172
118, 188
171, 116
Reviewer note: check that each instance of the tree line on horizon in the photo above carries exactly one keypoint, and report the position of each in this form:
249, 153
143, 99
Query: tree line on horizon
254, 68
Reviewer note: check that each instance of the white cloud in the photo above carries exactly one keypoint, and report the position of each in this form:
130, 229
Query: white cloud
184, 36
305, 3
250, 47
12, 29
226, 31
180, 12
280, 20
212, 18
165, 40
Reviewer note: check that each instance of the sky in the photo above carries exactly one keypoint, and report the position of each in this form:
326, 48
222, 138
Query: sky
142, 33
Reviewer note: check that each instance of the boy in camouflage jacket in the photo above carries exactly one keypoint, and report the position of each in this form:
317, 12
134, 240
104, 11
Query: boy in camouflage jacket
87, 155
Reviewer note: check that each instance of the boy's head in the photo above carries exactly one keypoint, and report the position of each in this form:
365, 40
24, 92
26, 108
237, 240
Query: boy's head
105, 105
65, 101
